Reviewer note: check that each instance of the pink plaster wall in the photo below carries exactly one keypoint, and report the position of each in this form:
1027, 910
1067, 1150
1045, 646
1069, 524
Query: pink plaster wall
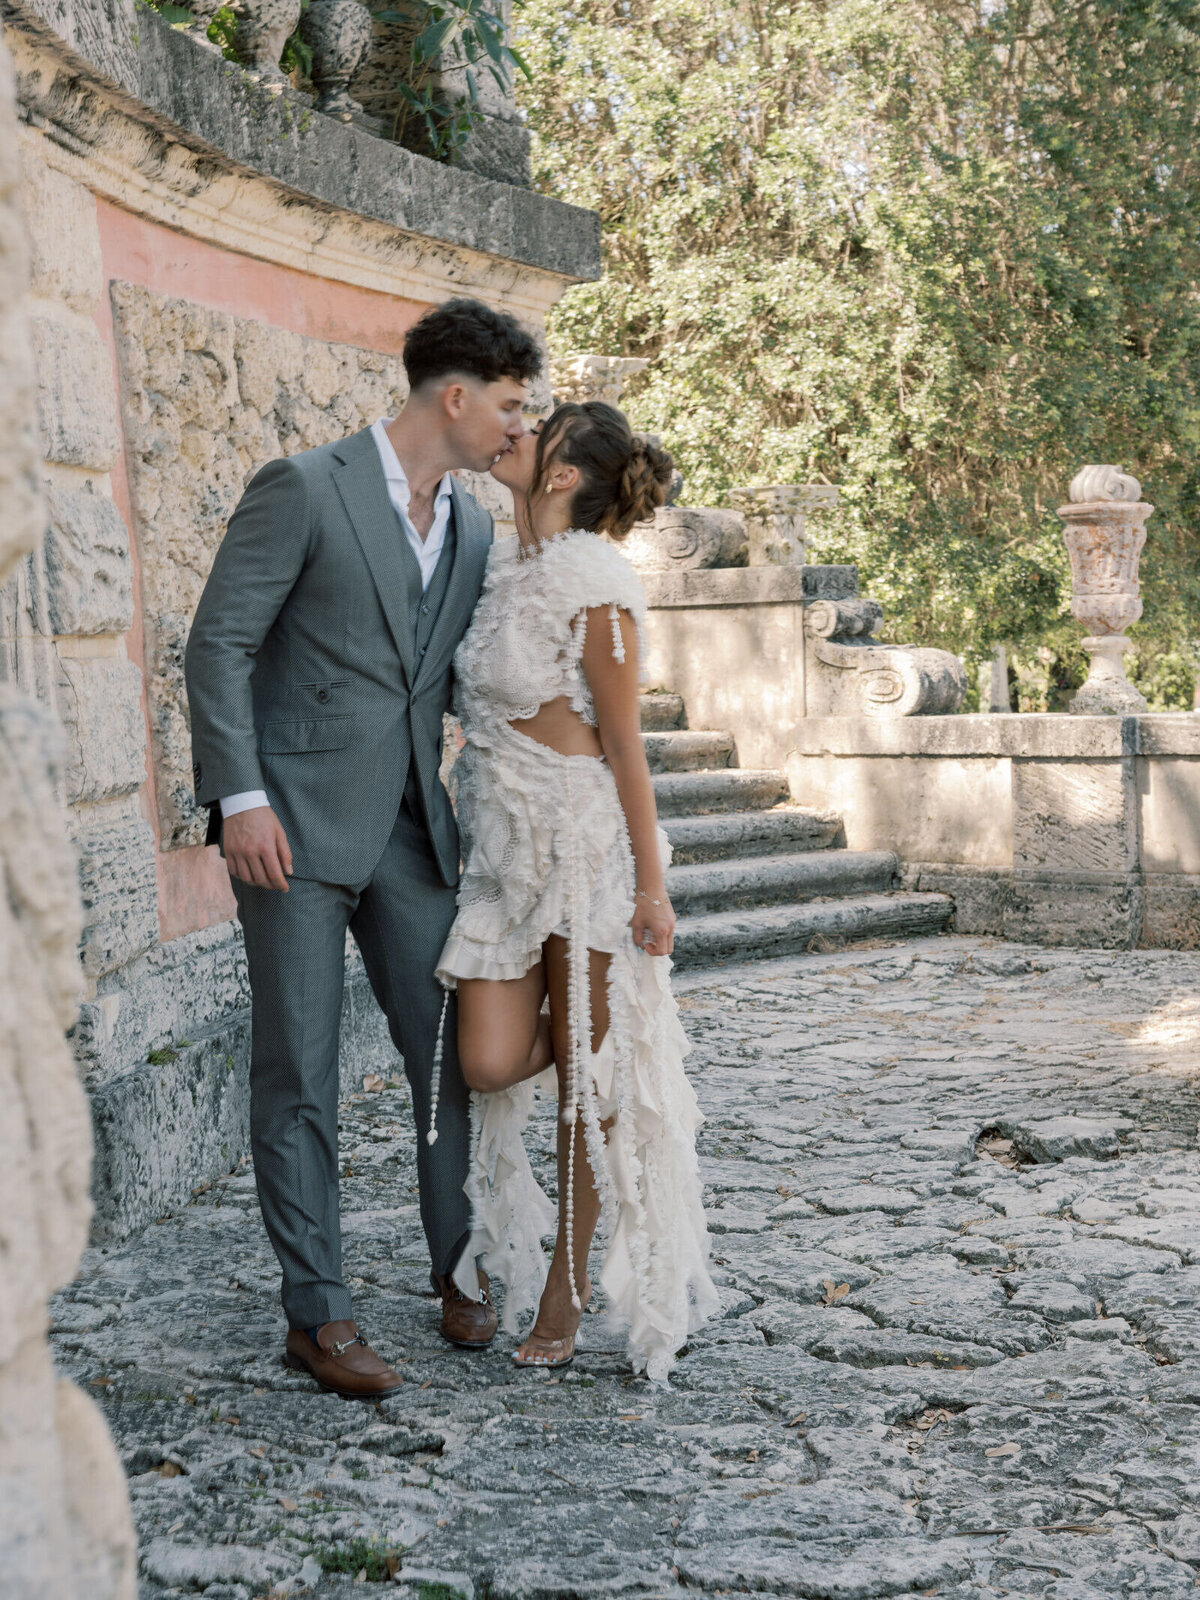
193, 886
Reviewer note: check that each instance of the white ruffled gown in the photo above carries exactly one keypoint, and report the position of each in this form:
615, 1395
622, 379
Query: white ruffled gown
546, 851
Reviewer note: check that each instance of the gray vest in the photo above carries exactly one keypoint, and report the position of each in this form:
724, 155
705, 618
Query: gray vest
423, 609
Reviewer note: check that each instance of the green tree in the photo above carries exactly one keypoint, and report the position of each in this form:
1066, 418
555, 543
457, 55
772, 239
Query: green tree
938, 252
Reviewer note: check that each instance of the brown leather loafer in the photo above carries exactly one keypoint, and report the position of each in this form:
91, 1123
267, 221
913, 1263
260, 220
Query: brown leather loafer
341, 1361
470, 1324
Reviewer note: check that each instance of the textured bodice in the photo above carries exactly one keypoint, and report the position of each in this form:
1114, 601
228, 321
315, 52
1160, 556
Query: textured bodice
525, 643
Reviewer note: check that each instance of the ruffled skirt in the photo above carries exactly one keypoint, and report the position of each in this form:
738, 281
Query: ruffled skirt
546, 850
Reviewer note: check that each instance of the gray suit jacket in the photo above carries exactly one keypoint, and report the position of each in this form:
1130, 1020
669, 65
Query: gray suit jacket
302, 675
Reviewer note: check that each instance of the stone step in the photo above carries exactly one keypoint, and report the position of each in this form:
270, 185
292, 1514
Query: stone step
754, 935
729, 834
732, 789
682, 750
768, 880
661, 712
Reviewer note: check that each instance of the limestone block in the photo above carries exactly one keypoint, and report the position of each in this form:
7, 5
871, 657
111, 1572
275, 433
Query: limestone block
101, 703
75, 405
208, 398
119, 887
88, 568
1106, 913
1074, 815
1170, 802
1171, 914
64, 238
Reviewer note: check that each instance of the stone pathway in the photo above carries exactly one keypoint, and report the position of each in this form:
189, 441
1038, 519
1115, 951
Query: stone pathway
955, 1197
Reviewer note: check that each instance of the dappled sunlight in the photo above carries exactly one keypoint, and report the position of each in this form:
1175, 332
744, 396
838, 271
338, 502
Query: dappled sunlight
1174, 1028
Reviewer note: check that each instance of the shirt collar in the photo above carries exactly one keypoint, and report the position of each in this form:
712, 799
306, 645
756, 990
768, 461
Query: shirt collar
394, 473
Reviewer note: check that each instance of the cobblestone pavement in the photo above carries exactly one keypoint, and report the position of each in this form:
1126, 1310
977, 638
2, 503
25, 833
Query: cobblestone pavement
956, 1209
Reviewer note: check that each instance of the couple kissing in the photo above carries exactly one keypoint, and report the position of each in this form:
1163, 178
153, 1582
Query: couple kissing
519, 934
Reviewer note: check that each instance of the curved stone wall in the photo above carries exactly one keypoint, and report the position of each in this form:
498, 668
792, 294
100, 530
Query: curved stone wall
65, 1527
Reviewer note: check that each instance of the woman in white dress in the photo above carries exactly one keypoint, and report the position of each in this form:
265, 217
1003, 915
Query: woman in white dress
563, 896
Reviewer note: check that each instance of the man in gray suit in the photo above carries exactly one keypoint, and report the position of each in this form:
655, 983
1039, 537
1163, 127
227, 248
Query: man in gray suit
319, 667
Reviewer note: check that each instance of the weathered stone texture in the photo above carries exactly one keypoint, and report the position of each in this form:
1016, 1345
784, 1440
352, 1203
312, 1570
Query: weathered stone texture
101, 705
75, 407
208, 398
65, 1528
88, 568
65, 260
1074, 815
119, 888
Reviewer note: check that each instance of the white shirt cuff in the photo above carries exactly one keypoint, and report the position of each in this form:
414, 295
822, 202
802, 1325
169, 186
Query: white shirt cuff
246, 801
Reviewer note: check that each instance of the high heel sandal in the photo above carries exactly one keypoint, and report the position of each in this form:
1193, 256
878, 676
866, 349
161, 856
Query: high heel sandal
557, 1352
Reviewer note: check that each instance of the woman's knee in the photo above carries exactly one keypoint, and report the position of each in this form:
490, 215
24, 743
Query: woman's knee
485, 1069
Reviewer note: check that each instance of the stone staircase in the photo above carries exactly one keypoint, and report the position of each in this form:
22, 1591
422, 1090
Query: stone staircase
754, 875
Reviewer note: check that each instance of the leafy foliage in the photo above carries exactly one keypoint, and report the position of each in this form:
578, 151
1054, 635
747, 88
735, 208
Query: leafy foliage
939, 252
470, 35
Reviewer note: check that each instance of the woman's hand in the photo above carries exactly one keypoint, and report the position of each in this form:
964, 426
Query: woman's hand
653, 925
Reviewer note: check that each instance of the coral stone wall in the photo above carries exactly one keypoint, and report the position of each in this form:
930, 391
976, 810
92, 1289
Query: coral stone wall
219, 276
65, 1527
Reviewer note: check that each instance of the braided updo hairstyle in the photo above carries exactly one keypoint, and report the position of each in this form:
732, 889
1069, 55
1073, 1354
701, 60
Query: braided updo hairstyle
623, 475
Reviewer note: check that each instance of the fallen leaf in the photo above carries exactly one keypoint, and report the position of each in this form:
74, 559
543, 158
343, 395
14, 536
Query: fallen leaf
373, 1083
259, 1450
290, 1505
630, 1416
427, 1382
170, 1469
175, 1526
1009, 1449
101, 1383
392, 1563
800, 1417
833, 1292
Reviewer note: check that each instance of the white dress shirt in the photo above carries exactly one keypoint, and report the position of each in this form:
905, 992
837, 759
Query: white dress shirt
427, 551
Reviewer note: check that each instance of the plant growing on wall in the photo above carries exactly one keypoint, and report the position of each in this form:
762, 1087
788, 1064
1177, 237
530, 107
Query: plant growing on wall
938, 252
467, 36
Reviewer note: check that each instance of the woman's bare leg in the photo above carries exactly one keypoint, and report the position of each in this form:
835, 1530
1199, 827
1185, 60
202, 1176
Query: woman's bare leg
503, 1038
557, 1319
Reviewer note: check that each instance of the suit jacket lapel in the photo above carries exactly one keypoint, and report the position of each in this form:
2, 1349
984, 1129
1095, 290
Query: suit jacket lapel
471, 544
363, 489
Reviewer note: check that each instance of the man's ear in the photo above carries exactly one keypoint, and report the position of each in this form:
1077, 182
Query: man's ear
454, 400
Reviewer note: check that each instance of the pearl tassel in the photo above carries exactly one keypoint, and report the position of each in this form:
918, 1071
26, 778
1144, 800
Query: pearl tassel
618, 642
579, 1019
435, 1085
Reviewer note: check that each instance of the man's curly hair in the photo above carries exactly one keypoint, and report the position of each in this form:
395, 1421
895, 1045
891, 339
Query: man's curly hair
466, 337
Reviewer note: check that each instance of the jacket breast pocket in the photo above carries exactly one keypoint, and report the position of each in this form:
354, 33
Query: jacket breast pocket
305, 734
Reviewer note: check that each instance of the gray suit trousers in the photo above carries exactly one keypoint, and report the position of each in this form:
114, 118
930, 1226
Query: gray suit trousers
295, 948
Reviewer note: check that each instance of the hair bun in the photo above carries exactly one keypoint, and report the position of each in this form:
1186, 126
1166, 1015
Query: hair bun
645, 479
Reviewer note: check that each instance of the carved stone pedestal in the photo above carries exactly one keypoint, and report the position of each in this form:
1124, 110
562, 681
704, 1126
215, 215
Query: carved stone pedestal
1105, 529
777, 520
338, 32
263, 28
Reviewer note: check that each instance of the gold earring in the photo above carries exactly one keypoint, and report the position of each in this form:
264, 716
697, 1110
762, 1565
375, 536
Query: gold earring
549, 486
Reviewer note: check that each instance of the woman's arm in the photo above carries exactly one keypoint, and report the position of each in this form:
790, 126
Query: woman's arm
614, 686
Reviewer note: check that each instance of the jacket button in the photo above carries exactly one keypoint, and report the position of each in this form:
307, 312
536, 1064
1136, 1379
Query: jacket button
322, 695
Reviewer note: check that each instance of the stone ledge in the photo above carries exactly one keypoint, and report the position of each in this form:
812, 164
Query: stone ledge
211, 106
747, 586
1026, 736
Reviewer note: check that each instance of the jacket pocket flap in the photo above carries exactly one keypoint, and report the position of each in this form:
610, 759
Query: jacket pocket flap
310, 733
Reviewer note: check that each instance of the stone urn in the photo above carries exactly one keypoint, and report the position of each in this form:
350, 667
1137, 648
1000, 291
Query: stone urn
263, 28
777, 519
338, 32
1105, 529
203, 11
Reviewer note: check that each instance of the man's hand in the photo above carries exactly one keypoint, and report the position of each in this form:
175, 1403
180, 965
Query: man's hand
256, 848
